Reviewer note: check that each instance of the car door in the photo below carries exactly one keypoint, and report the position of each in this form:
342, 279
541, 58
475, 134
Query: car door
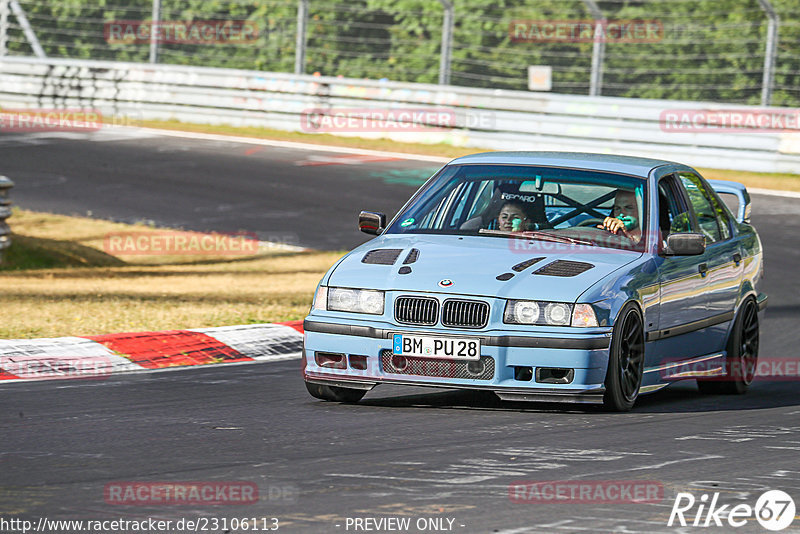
723, 258
683, 300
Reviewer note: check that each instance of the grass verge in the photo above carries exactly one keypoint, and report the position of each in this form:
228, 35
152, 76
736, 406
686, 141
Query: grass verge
765, 180
58, 280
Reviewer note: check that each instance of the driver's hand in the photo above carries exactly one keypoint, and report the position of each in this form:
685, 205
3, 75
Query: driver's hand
613, 225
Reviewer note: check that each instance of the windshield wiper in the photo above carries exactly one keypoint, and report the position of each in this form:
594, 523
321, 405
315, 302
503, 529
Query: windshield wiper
536, 234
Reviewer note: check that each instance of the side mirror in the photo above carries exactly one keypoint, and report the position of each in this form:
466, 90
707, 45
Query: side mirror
371, 222
723, 187
685, 245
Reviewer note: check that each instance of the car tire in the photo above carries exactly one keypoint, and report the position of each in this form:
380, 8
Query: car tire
335, 393
625, 360
742, 349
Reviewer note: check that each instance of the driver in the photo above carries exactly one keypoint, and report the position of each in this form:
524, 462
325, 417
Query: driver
513, 217
624, 219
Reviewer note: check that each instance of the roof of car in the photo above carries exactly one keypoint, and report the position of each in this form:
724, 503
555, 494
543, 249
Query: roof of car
582, 160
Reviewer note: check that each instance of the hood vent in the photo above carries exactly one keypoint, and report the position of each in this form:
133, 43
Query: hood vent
505, 276
412, 256
564, 268
382, 256
527, 263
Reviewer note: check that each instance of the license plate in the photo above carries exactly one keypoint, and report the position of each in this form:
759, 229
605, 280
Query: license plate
458, 348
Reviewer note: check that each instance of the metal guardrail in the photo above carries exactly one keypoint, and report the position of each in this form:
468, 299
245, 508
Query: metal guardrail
485, 118
5, 213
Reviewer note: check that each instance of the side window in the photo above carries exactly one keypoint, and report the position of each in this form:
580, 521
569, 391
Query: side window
703, 207
673, 215
482, 199
723, 214
461, 204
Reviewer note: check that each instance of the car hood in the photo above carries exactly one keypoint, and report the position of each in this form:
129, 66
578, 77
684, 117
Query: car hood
473, 264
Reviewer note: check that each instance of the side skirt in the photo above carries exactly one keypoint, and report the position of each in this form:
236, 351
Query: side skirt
700, 367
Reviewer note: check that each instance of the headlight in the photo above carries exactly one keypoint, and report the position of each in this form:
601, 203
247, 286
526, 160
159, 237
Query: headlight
355, 300
539, 313
521, 312
557, 313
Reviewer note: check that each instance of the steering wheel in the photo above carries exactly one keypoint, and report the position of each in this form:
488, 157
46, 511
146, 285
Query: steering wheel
594, 221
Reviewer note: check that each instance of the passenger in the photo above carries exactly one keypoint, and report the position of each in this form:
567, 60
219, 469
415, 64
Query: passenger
624, 219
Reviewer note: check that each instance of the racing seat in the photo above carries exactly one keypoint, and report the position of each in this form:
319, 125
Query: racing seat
488, 219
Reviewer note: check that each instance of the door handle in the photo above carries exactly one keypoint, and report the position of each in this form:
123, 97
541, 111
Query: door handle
703, 269
737, 259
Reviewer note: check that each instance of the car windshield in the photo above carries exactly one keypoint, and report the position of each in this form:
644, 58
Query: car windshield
531, 202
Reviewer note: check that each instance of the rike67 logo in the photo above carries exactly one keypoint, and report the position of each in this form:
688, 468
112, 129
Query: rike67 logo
774, 510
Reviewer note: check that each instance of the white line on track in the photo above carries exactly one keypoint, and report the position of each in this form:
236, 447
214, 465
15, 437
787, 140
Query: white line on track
773, 192
294, 144
363, 151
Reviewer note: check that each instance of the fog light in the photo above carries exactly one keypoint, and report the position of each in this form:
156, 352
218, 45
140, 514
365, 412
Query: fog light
399, 363
476, 367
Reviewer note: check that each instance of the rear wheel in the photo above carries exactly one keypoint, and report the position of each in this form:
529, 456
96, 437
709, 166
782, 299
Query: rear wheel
742, 348
335, 393
625, 361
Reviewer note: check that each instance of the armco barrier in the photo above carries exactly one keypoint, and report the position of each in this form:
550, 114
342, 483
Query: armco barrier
494, 119
5, 213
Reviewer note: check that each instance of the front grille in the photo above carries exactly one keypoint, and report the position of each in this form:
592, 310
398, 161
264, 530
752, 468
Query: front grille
465, 313
482, 369
416, 310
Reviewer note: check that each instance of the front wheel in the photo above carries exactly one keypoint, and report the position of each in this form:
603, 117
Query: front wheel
335, 393
625, 361
742, 348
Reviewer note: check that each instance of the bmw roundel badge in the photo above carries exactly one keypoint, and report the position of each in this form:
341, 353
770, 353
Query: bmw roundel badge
446, 282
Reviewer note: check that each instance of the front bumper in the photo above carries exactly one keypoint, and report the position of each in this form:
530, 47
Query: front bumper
585, 354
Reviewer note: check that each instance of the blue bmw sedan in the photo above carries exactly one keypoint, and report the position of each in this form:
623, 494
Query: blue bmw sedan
546, 276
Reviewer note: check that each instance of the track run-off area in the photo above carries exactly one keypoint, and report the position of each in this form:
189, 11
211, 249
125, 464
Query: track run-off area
447, 458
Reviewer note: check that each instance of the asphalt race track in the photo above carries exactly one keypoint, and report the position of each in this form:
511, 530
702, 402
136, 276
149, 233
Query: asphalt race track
414, 453
295, 196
